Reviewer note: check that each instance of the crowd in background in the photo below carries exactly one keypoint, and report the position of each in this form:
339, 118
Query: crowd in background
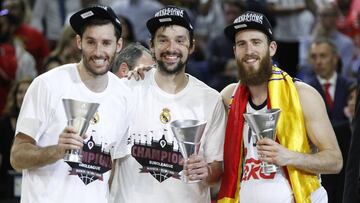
35, 37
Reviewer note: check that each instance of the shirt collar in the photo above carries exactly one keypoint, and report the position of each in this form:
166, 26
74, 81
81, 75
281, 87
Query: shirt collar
332, 80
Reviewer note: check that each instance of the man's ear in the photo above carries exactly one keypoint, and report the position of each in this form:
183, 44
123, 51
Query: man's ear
123, 70
192, 48
78, 42
151, 46
119, 45
273, 48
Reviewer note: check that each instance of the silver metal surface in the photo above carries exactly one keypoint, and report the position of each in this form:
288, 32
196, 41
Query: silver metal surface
188, 134
264, 126
78, 114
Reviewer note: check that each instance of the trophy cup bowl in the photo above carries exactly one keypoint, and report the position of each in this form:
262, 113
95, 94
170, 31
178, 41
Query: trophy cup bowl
188, 134
264, 126
78, 115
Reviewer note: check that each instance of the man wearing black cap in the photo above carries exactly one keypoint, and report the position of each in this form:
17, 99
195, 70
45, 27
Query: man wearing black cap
153, 169
305, 144
42, 134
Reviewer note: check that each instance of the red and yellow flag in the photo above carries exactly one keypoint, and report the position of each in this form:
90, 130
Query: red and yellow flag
291, 133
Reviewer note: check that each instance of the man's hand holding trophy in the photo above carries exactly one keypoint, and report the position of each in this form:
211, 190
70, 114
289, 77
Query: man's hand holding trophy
78, 114
188, 134
264, 126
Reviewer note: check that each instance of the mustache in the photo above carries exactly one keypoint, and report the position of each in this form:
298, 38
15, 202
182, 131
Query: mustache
171, 53
251, 56
98, 57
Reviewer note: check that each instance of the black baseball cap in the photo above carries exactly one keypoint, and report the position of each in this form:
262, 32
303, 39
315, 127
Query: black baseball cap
249, 20
78, 19
170, 15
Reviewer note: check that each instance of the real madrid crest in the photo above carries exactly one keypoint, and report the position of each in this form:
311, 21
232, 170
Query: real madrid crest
165, 116
95, 119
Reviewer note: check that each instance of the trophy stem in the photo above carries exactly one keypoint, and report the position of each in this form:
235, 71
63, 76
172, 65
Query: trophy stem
194, 147
267, 168
73, 155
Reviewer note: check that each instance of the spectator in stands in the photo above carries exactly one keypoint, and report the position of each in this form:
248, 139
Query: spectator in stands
220, 49
351, 100
325, 27
349, 18
289, 15
7, 128
65, 51
49, 17
15, 62
132, 56
137, 11
127, 31
34, 41
333, 89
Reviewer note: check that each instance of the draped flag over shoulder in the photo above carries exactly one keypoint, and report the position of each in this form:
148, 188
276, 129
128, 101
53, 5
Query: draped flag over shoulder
291, 133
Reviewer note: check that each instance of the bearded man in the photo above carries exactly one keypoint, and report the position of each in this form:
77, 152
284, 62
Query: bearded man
165, 95
305, 144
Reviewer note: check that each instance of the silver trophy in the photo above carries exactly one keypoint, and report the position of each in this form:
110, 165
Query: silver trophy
264, 126
78, 115
188, 134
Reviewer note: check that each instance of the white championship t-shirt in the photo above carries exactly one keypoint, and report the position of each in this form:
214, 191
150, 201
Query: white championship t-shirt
258, 187
43, 118
150, 170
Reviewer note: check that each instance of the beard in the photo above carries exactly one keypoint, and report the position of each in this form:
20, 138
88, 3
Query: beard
178, 67
255, 77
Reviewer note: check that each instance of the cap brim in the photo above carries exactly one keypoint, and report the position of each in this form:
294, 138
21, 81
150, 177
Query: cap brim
156, 22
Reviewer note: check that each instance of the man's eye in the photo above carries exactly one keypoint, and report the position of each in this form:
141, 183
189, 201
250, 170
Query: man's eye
180, 41
240, 44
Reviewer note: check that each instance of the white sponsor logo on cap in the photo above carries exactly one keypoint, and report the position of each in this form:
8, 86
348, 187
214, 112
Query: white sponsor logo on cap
87, 14
161, 20
240, 26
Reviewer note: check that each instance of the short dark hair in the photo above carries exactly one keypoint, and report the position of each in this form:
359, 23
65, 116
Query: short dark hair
129, 55
191, 35
99, 21
325, 40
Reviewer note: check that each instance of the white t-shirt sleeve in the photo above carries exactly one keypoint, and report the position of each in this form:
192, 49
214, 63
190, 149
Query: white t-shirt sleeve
122, 147
35, 110
214, 143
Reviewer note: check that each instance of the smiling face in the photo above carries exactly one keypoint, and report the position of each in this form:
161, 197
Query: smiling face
171, 46
99, 46
253, 56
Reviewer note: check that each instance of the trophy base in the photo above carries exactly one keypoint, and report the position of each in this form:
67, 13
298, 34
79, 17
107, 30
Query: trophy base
268, 168
185, 179
76, 158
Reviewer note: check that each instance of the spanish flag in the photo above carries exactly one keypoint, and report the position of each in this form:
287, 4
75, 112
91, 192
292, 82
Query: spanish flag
291, 133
